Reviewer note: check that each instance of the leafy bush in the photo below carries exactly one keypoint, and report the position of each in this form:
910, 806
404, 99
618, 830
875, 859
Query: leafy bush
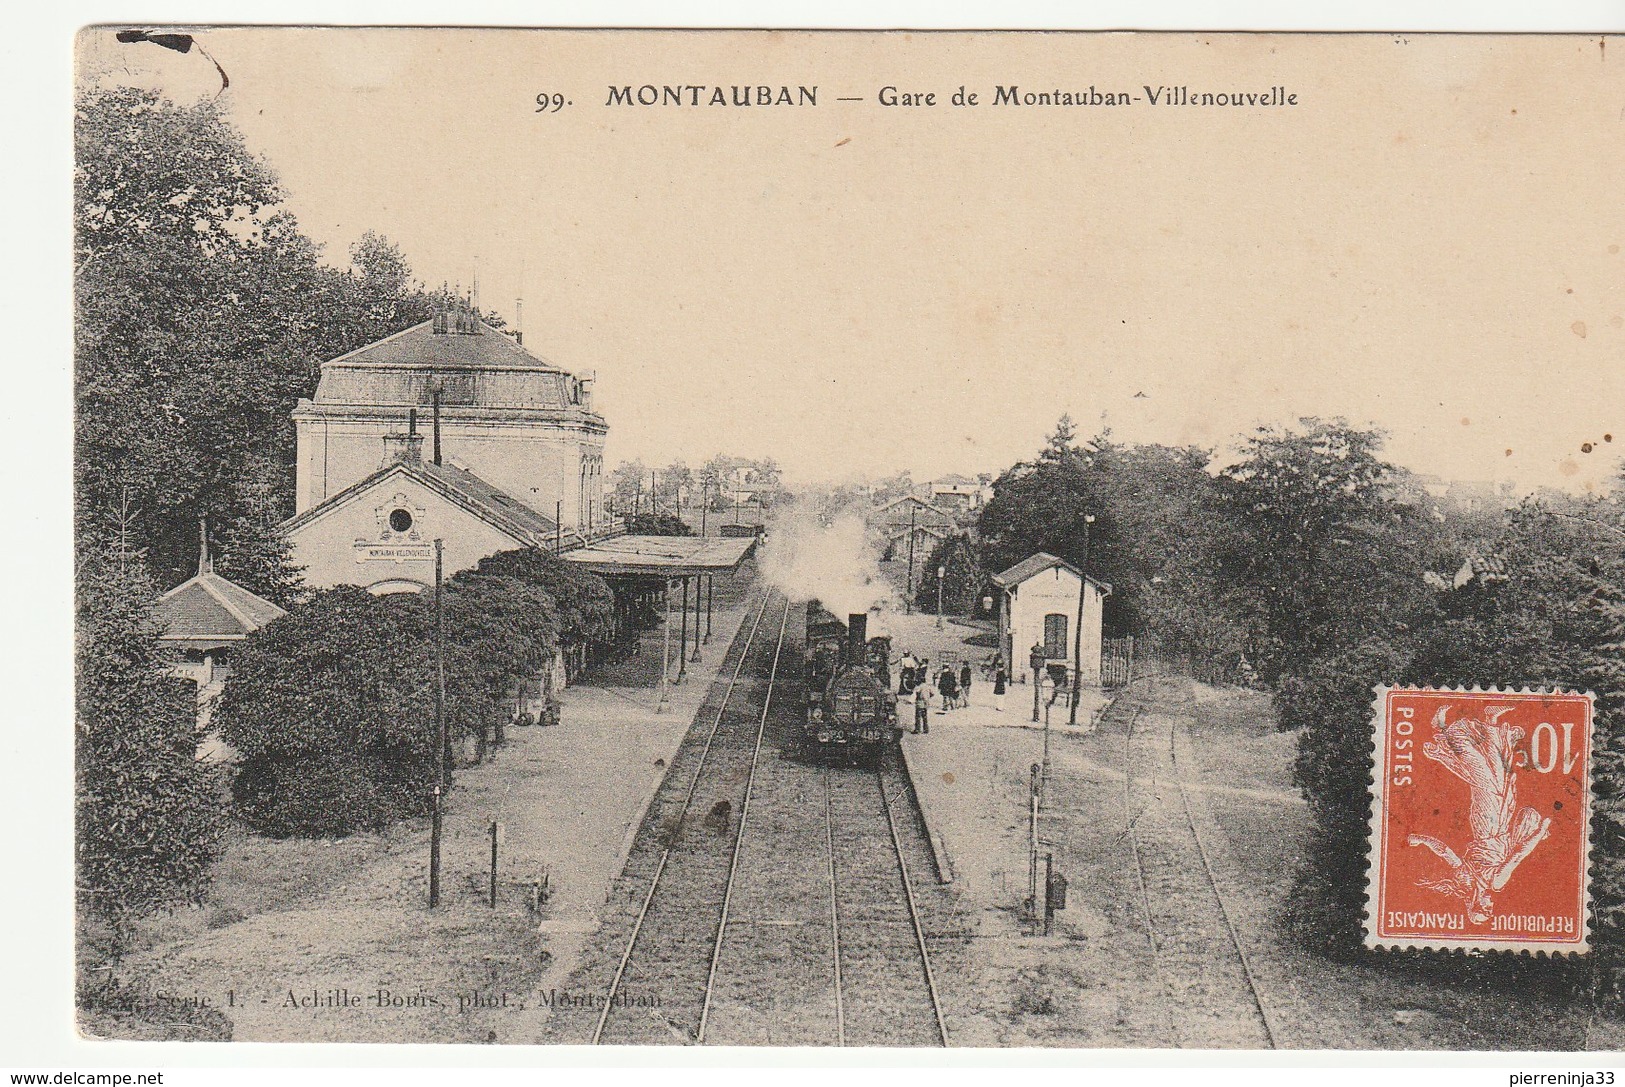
332, 705
1555, 618
332, 709
582, 603
657, 524
319, 797
1332, 706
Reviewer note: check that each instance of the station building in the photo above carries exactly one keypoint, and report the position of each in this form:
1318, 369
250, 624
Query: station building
447, 430
1038, 607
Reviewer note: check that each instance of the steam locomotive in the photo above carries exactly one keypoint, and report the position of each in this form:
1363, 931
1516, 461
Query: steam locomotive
850, 707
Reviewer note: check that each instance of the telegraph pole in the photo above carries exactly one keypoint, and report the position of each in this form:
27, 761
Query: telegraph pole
908, 589
442, 733
442, 741
1077, 635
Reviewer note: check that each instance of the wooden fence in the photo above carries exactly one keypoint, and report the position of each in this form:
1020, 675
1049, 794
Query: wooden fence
1128, 658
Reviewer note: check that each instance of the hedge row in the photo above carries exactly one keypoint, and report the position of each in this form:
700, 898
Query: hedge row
1557, 619
331, 707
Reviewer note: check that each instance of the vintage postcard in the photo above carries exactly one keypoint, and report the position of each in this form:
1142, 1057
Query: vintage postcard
836, 538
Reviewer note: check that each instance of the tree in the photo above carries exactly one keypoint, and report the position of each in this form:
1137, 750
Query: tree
146, 168
962, 582
767, 480
628, 482
676, 483
202, 315
717, 478
1061, 446
1044, 505
1320, 537
253, 552
583, 604
148, 815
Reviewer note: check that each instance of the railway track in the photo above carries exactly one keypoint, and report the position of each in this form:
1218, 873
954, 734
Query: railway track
1211, 996
660, 989
884, 983
802, 927
822, 942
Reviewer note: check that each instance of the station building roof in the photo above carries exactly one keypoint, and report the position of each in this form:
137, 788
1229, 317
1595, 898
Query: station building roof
1035, 564
471, 363
663, 556
209, 610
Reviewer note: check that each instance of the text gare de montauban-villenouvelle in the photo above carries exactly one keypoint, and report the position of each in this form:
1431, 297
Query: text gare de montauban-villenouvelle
742, 94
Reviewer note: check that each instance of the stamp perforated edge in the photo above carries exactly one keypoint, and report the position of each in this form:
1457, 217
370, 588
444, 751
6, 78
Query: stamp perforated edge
1377, 779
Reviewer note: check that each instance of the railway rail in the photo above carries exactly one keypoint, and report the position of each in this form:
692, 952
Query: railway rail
1211, 994
668, 955
885, 986
804, 927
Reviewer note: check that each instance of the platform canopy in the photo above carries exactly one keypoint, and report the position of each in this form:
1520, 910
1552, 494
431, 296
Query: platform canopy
663, 556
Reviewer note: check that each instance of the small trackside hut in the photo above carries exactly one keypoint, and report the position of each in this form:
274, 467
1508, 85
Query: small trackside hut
850, 707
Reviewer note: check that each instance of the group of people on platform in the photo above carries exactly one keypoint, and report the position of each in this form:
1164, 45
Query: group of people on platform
949, 687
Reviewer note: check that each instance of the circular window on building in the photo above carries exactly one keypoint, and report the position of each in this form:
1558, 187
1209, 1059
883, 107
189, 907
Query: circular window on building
400, 520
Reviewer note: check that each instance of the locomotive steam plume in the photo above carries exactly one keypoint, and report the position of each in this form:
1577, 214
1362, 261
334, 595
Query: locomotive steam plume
803, 558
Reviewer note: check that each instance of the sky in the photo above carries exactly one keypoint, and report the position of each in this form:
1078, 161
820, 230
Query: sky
1429, 242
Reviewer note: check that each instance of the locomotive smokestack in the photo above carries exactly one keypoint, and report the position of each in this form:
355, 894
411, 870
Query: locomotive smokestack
857, 638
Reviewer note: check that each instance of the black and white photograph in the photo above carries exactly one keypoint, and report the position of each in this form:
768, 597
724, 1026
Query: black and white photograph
813, 538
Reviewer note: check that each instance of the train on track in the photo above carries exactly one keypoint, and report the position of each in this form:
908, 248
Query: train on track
850, 706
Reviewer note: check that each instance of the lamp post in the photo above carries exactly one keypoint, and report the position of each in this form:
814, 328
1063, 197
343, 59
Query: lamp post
1077, 635
1036, 660
941, 570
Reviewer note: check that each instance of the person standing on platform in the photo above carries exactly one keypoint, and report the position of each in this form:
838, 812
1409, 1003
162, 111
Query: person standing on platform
965, 676
948, 684
906, 673
1000, 680
922, 710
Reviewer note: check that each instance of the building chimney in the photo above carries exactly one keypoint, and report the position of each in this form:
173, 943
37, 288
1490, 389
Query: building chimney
436, 409
205, 564
403, 448
857, 638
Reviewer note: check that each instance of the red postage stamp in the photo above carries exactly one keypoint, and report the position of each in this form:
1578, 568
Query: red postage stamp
1481, 820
